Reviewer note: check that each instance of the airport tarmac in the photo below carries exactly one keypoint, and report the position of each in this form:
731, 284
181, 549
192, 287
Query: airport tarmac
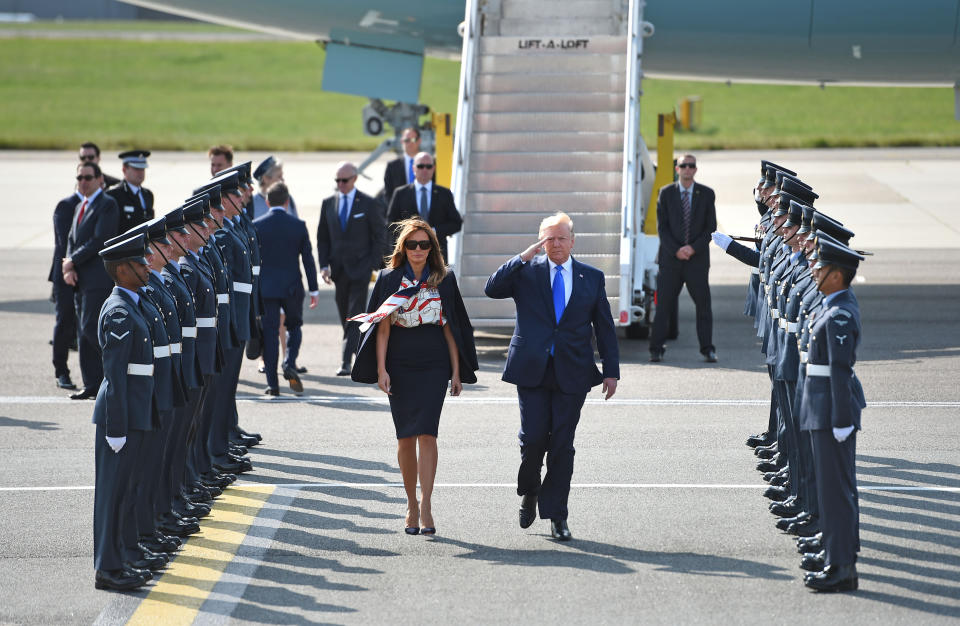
668, 519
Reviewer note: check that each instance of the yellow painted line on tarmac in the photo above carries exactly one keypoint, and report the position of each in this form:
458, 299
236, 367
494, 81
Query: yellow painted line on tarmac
184, 586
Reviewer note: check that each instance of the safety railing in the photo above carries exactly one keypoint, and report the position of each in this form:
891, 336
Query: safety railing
461, 142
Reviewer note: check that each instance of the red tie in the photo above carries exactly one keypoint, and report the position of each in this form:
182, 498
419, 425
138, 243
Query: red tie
83, 207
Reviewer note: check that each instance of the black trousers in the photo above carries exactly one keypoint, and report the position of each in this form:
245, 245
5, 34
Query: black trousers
835, 465
113, 498
223, 405
548, 423
88, 304
65, 326
671, 278
351, 298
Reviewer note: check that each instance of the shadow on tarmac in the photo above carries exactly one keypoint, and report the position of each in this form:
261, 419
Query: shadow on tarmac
12, 422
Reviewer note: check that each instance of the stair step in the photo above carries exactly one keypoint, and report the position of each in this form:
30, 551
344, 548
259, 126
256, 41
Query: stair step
539, 10
560, 141
547, 122
535, 102
551, 83
546, 203
546, 162
544, 181
474, 285
576, 63
480, 264
571, 27
600, 44
510, 244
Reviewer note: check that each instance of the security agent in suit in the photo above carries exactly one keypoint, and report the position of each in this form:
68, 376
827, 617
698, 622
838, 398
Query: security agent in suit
94, 221
561, 306
439, 211
134, 200
351, 237
122, 413
285, 244
830, 411
684, 256
90, 153
401, 171
65, 326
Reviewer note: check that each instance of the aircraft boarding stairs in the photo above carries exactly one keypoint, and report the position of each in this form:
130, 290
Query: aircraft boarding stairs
546, 134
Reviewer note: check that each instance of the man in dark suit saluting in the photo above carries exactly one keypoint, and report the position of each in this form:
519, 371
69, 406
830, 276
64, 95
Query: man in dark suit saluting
686, 216
351, 238
284, 243
94, 221
427, 200
561, 305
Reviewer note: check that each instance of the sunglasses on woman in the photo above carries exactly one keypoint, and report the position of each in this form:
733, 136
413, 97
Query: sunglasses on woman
411, 245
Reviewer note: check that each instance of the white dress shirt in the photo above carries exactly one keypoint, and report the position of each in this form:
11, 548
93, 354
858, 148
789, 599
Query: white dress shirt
567, 269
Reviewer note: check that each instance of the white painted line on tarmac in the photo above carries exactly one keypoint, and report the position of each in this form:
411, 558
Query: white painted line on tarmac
492, 400
371, 485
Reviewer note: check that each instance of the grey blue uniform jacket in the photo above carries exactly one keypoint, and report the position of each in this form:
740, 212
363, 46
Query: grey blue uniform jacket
124, 398
834, 400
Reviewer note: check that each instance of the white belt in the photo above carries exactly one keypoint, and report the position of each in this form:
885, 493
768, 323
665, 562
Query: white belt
793, 327
189, 331
140, 369
775, 314
206, 322
755, 270
817, 370
766, 288
176, 348
803, 357
160, 352
782, 323
223, 298
242, 287
256, 270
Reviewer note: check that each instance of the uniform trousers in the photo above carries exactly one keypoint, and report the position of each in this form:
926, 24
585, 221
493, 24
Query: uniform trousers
146, 478
548, 423
837, 489
65, 326
224, 405
671, 278
113, 497
293, 310
351, 299
789, 443
88, 304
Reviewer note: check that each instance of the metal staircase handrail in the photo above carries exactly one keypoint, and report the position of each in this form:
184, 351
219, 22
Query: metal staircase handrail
632, 143
461, 141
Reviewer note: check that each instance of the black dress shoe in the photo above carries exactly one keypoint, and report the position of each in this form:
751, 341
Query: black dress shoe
179, 528
763, 439
813, 561
246, 442
301, 370
777, 494
710, 356
834, 578
784, 523
158, 545
344, 370
145, 574
807, 529
779, 480
152, 563
809, 544
84, 394
767, 466
244, 433
765, 453
781, 509
656, 356
237, 450
293, 379
528, 510
271, 391
64, 382
118, 580
559, 530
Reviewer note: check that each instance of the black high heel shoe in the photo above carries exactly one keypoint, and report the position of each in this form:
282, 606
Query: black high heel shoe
412, 530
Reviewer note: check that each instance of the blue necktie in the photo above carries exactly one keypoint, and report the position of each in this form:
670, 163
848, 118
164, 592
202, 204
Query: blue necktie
559, 294
343, 213
424, 205
410, 171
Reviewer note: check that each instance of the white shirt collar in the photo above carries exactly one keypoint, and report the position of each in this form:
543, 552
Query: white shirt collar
428, 186
92, 196
278, 208
567, 266
350, 196
133, 188
682, 188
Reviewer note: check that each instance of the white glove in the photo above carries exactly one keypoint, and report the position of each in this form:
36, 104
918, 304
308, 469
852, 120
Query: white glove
116, 443
841, 434
722, 241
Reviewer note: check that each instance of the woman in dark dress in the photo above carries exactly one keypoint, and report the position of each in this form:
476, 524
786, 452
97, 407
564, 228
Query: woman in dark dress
417, 340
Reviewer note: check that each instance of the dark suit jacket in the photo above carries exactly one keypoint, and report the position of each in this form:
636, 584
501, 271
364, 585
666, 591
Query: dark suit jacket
131, 213
703, 222
62, 223
586, 315
394, 176
356, 252
388, 282
444, 217
284, 244
86, 240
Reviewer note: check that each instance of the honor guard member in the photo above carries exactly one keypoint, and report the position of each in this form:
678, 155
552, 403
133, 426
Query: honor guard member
122, 413
830, 412
135, 201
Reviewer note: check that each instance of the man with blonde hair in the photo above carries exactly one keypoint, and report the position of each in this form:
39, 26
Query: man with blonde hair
561, 303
